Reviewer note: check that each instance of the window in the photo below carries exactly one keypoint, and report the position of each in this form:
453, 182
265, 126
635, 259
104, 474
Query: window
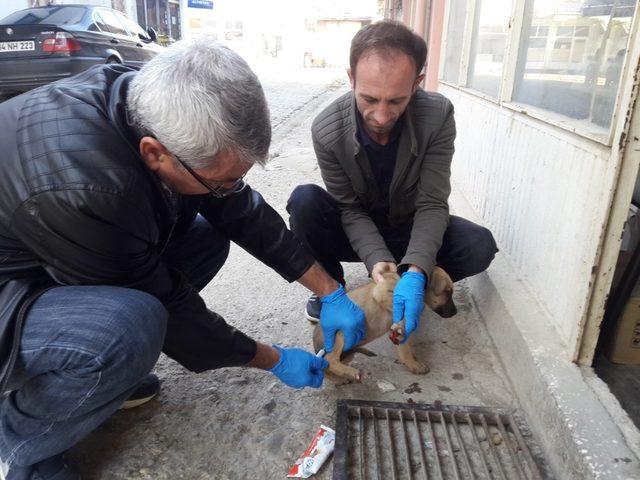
578, 71
565, 57
134, 29
487, 45
113, 24
98, 24
455, 34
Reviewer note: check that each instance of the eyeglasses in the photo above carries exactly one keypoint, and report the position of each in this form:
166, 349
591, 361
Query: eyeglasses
219, 191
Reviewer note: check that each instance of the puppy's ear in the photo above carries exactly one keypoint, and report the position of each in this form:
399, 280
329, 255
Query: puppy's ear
440, 281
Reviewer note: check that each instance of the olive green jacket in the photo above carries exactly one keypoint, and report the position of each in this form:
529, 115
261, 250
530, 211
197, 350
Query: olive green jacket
421, 180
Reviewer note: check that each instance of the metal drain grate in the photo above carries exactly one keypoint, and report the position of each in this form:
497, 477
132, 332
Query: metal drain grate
380, 441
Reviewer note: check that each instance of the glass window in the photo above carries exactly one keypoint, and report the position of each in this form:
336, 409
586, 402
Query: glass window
112, 22
455, 34
98, 24
488, 44
134, 29
578, 72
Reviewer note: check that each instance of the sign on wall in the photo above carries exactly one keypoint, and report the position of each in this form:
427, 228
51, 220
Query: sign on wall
201, 4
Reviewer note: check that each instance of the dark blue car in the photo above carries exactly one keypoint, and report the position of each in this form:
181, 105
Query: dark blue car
44, 44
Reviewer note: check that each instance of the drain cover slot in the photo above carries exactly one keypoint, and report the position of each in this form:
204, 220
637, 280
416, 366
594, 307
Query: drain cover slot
381, 441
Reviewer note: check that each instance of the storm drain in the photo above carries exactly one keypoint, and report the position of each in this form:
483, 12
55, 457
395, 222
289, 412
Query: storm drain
381, 441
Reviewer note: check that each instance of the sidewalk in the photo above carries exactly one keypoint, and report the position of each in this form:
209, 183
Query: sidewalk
236, 424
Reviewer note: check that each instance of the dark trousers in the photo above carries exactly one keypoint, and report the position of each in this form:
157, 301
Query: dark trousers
467, 248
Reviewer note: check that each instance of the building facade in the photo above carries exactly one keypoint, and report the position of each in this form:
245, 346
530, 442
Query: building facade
547, 156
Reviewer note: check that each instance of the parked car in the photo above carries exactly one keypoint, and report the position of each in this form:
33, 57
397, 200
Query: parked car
44, 44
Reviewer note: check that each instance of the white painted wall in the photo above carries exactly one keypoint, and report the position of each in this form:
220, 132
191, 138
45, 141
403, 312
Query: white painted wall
286, 19
544, 194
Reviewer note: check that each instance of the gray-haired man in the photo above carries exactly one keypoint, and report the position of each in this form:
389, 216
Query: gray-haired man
120, 191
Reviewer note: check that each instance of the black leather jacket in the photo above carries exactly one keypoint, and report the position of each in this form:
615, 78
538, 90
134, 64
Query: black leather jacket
79, 207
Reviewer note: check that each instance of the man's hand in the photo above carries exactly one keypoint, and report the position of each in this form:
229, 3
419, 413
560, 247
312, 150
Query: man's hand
298, 368
340, 313
381, 268
408, 300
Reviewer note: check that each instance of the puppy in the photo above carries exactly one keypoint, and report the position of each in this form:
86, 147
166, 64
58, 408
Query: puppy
376, 300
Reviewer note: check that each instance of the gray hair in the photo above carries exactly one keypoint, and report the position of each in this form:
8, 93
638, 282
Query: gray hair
198, 98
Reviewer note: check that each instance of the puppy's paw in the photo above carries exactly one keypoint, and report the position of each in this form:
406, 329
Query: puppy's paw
354, 375
344, 374
417, 367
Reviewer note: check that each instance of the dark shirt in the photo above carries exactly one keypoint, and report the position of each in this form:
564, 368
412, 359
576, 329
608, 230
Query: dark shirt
382, 159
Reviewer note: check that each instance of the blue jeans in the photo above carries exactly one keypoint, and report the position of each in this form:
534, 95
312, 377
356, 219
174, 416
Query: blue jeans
314, 216
84, 350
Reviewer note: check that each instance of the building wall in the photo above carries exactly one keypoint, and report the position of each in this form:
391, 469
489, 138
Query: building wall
541, 175
284, 32
544, 194
330, 41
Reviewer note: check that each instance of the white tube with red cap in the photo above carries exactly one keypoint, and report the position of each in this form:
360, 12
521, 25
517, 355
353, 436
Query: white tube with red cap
320, 448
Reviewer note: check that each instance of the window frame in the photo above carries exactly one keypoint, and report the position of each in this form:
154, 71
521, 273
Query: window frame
507, 84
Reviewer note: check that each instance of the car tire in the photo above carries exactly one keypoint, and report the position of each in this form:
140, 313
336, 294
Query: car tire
112, 60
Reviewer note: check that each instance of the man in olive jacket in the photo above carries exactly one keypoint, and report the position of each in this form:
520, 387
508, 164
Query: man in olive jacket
384, 151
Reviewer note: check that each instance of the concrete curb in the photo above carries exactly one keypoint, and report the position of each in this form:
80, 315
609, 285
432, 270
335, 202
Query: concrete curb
581, 438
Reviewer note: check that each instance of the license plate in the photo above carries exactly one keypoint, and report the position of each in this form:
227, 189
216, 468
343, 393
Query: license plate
21, 46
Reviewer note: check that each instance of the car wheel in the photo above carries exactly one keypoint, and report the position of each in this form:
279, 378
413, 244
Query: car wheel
112, 60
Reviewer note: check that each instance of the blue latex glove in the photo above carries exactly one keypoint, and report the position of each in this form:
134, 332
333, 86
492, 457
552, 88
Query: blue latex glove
340, 313
298, 368
408, 301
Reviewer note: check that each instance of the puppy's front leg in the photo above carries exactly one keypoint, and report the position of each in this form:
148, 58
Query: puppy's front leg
405, 353
336, 367
405, 350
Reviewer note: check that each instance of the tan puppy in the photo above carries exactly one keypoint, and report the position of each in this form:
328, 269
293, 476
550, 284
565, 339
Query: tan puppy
376, 300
